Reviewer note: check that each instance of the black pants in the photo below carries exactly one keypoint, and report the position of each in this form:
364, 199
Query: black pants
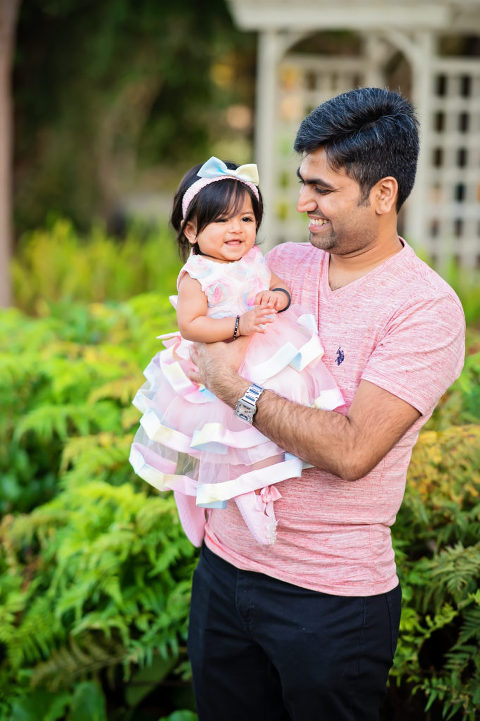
265, 650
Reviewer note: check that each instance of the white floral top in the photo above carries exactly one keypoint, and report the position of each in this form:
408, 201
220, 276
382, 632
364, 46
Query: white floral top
230, 287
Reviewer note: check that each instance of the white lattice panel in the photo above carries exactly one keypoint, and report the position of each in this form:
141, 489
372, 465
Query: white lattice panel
453, 147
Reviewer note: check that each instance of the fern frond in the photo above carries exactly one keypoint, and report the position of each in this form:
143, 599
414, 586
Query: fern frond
15, 371
34, 638
49, 420
455, 571
92, 454
471, 625
39, 526
121, 389
77, 659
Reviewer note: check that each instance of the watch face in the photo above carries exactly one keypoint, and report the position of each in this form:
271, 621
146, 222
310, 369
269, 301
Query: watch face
247, 405
245, 411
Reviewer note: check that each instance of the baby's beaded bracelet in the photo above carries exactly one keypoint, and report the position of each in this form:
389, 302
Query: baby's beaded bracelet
235, 330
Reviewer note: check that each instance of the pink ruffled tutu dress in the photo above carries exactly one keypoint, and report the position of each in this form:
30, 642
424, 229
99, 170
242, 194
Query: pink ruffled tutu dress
191, 442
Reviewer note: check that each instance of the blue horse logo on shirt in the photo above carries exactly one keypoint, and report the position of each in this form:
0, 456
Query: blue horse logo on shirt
340, 356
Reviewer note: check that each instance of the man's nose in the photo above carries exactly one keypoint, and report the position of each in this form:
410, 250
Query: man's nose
306, 201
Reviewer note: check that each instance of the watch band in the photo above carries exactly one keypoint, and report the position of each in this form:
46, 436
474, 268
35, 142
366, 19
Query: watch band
247, 404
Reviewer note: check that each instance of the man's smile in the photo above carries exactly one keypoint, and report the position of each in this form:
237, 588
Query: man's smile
315, 224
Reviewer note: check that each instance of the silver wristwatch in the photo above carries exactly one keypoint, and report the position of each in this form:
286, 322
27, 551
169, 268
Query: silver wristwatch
247, 405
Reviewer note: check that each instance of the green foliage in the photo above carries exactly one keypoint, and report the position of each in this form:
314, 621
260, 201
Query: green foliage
105, 579
58, 265
94, 567
180, 716
119, 86
438, 555
86, 704
461, 404
66, 381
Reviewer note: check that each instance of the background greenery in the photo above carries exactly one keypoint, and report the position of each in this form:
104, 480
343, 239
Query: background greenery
116, 97
94, 568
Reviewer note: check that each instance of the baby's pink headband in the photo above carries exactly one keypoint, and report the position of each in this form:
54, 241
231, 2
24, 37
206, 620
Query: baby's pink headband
215, 169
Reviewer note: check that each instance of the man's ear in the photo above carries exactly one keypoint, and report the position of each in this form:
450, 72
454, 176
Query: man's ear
384, 195
190, 232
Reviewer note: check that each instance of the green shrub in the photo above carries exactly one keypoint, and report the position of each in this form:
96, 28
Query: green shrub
66, 379
438, 554
57, 265
436, 538
461, 404
97, 578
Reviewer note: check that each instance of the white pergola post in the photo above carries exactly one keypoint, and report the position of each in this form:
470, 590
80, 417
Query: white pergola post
376, 52
265, 127
416, 225
419, 51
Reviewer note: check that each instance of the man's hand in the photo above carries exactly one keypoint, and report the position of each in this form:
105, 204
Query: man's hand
216, 368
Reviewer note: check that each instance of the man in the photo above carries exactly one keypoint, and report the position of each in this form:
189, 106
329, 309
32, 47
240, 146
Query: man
306, 629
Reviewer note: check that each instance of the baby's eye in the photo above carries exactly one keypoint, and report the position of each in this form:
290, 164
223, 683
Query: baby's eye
248, 219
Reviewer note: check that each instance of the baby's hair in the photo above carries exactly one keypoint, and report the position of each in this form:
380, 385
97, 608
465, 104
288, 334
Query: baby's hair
216, 200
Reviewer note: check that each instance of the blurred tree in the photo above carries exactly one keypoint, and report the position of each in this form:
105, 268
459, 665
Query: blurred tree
104, 89
8, 19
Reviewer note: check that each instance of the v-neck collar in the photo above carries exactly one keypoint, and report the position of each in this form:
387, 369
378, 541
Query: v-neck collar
327, 292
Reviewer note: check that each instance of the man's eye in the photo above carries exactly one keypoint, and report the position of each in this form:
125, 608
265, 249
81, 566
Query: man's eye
322, 191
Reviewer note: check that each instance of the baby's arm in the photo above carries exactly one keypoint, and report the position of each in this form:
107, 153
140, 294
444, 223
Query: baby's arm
195, 325
277, 297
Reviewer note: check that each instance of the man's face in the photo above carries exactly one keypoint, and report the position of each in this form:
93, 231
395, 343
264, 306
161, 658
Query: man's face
340, 221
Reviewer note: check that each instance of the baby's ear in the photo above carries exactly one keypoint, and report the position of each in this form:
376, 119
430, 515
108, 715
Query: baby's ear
190, 232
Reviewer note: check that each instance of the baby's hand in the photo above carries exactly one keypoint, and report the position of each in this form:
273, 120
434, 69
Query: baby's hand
271, 299
254, 321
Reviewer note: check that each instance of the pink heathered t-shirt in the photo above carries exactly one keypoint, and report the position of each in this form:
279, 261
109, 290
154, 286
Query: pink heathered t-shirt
402, 328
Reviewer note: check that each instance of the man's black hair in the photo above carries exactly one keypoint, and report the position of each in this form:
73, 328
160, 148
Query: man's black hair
370, 132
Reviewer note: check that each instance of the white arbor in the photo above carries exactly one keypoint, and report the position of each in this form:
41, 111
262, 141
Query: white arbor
443, 214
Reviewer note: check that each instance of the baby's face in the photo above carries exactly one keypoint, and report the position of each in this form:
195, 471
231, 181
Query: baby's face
228, 238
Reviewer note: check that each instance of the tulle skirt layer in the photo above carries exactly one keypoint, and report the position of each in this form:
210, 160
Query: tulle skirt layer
190, 441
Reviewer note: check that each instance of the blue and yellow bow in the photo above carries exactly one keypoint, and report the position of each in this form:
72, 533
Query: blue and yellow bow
214, 168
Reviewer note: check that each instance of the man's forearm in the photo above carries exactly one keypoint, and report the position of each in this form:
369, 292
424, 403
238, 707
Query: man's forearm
292, 426
319, 437
349, 446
